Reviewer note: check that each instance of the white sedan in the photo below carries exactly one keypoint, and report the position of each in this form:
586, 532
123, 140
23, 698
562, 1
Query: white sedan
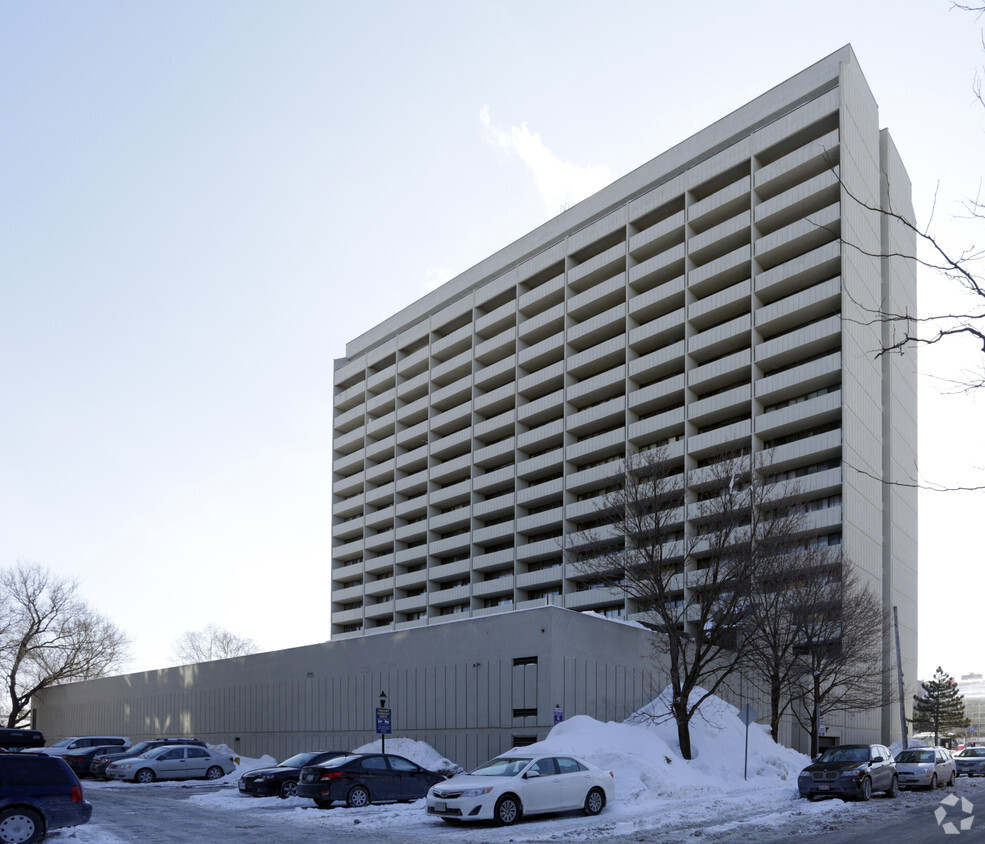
172, 762
516, 784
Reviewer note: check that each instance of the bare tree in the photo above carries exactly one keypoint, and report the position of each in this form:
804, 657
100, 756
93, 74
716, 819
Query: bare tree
683, 547
790, 568
840, 649
49, 636
212, 642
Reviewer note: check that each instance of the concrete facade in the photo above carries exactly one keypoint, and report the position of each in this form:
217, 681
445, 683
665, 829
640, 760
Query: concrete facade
719, 297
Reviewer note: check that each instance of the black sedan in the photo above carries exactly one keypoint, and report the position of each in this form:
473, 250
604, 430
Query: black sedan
282, 779
359, 779
80, 760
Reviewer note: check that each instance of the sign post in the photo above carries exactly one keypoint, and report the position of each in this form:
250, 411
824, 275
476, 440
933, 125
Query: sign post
383, 721
748, 715
558, 714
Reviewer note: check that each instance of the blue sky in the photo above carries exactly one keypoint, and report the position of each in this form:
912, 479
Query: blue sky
200, 203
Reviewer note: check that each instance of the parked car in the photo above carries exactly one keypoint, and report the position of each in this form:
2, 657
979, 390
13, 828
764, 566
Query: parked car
363, 778
925, 767
80, 761
99, 762
850, 770
12, 739
172, 762
67, 745
282, 780
515, 784
971, 762
38, 794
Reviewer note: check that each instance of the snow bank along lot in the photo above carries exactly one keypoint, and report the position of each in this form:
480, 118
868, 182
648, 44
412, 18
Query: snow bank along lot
657, 792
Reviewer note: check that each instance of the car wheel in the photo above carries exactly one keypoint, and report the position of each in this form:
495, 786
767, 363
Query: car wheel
508, 810
215, 773
321, 803
20, 826
144, 775
933, 783
893, 790
288, 788
865, 790
357, 797
594, 801
950, 782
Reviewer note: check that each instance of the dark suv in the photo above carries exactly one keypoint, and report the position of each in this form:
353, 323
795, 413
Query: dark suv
850, 770
98, 766
38, 793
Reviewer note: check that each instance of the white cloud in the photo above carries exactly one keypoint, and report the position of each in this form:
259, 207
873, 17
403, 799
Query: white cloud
560, 183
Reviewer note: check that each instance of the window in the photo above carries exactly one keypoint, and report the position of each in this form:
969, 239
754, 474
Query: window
569, 766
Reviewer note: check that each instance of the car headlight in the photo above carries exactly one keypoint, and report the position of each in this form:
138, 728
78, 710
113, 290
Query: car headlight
476, 792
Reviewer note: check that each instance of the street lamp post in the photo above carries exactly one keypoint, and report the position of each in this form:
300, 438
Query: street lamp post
383, 734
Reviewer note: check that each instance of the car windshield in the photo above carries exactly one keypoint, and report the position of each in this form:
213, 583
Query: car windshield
154, 752
915, 756
972, 751
137, 749
298, 760
845, 754
503, 766
65, 742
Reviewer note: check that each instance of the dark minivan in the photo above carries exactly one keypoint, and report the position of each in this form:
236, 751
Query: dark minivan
37, 794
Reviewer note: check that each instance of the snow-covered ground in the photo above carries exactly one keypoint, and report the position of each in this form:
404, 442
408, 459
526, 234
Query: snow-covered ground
656, 789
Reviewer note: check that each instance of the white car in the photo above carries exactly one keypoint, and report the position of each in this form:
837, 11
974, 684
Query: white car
172, 762
516, 784
925, 767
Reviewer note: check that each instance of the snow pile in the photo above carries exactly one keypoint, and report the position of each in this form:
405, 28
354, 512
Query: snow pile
417, 751
644, 754
897, 746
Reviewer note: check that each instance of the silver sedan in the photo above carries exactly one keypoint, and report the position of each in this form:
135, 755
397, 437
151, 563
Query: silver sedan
925, 767
971, 761
172, 762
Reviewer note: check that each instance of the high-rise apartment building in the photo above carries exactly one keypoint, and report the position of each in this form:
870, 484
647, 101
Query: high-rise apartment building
718, 297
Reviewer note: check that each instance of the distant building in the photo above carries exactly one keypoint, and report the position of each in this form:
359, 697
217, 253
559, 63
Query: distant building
972, 688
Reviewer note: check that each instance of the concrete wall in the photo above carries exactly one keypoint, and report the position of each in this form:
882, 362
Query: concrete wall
458, 686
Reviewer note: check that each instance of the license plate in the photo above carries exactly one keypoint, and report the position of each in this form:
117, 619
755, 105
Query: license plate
242, 786
824, 787
440, 807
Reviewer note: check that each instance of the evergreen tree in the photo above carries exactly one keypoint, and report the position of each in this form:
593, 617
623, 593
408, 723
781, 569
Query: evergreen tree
940, 708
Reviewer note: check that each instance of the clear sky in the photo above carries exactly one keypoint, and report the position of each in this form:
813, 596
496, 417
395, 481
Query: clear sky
201, 202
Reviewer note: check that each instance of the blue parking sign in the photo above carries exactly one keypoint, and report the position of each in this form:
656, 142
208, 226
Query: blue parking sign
383, 720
